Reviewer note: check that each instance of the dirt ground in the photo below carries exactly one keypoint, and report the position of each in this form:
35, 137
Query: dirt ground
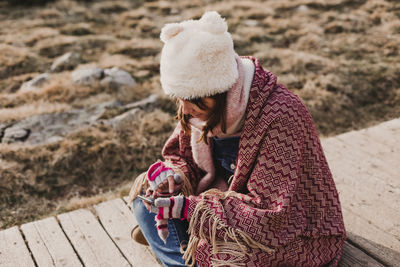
340, 56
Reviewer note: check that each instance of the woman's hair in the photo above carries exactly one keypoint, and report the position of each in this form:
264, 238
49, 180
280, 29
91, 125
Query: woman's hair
216, 115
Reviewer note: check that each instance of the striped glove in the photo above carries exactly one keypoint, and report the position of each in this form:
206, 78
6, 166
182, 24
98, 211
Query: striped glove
169, 208
158, 173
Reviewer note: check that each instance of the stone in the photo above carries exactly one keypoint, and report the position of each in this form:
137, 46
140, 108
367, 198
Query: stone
51, 128
15, 134
148, 102
67, 61
54, 139
250, 22
87, 76
116, 77
122, 121
35, 83
3, 128
302, 8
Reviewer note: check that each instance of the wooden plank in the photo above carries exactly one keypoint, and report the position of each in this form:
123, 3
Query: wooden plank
118, 220
353, 257
13, 251
362, 226
91, 242
375, 155
386, 132
385, 255
366, 175
365, 156
48, 244
361, 192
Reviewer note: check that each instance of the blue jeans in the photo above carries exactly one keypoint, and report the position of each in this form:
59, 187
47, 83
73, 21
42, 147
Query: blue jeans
169, 254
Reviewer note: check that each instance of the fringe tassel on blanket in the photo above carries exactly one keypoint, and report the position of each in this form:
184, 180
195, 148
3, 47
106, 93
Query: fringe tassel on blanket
235, 241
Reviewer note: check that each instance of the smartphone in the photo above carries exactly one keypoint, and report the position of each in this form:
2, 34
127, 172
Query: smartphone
147, 199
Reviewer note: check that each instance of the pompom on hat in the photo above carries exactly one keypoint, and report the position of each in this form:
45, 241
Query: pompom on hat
198, 59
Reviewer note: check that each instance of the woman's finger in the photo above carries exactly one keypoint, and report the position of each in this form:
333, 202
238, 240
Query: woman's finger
149, 192
171, 183
162, 186
147, 205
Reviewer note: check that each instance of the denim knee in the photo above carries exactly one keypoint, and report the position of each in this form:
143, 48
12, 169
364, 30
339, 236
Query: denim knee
170, 253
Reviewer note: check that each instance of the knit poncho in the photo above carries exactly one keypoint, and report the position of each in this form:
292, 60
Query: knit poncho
282, 207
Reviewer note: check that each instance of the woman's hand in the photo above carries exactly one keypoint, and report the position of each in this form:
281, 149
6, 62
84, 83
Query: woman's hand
172, 207
163, 181
168, 187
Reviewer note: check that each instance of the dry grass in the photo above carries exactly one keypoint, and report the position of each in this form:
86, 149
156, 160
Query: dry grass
87, 162
31, 109
17, 60
78, 202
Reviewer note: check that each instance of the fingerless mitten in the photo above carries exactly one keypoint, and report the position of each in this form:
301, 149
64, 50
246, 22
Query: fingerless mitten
169, 208
158, 173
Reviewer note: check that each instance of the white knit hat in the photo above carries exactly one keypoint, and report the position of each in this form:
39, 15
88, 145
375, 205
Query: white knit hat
198, 58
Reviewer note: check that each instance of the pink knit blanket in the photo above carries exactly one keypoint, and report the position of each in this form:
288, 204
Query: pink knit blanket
282, 207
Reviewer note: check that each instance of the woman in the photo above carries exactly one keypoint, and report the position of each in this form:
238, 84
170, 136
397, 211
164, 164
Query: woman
253, 182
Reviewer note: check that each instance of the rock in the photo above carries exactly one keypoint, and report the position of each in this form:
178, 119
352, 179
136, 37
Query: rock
15, 134
128, 64
302, 8
116, 77
98, 111
67, 61
122, 121
35, 83
146, 103
87, 76
43, 127
3, 128
250, 22
51, 128
54, 139
174, 11
142, 74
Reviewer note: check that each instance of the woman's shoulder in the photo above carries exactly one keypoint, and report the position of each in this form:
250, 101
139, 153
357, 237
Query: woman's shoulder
284, 103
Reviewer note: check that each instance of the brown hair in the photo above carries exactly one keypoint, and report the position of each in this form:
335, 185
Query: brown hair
217, 115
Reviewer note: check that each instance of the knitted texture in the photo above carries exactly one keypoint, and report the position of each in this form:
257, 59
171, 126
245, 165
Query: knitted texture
169, 208
158, 173
172, 208
237, 98
282, 207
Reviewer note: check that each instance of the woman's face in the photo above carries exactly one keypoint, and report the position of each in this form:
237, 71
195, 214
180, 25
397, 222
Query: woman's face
195, 111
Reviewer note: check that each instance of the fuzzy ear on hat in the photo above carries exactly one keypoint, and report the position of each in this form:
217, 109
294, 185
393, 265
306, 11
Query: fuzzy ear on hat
201, 62
169, 31
214, 23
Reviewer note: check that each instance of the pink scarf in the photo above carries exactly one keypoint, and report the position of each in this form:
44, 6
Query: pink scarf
237, 99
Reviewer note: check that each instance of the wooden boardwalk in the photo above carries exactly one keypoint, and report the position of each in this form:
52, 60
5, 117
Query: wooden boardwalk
366, 168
